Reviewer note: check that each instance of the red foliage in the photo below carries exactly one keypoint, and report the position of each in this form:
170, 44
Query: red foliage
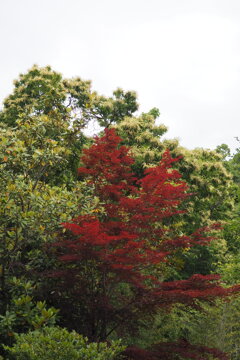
131, 235
124, 245
172, 351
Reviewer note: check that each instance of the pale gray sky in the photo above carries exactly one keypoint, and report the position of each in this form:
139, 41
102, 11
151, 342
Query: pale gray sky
182, 56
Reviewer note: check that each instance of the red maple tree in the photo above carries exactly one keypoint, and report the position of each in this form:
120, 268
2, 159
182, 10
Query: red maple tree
110, 273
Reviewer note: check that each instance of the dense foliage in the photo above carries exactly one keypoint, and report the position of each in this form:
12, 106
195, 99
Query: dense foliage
59, 344
117, 236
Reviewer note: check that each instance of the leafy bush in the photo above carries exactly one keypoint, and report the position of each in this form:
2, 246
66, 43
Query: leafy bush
23, 312
59, 344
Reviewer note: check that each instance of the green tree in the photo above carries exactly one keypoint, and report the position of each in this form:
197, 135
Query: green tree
231, 231
68, 103
31, 208
234, 164
224, 150
42, 91
41, 138
142, 135
208, 179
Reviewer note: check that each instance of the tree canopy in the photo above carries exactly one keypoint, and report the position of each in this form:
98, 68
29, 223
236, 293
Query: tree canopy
114, 235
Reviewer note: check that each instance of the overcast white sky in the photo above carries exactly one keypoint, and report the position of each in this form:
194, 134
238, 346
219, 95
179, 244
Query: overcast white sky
182, 56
